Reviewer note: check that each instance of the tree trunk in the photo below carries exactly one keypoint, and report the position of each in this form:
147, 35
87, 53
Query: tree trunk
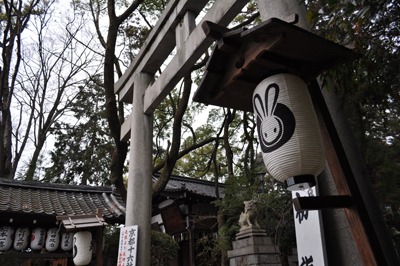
173, 154
228, 150
121, 148
17, 17
5, 127
30, 173
5, 144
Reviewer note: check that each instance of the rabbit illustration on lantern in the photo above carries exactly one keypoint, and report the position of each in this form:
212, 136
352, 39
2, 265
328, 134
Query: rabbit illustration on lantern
288, 131
275, 121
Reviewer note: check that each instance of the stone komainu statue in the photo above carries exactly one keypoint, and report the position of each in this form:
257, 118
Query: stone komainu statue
248, 218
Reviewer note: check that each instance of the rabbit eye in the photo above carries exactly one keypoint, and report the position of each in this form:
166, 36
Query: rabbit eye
274, 130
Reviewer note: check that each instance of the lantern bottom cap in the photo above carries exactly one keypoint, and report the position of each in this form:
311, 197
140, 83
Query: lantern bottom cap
300, 182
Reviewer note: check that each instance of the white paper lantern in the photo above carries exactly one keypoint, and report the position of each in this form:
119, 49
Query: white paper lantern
52, 239
38, 238
21, 238
67, 241
288, 131
6, 237
82, 253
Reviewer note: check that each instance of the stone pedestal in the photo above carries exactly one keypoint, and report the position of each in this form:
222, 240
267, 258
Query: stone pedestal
253, 250
293, 259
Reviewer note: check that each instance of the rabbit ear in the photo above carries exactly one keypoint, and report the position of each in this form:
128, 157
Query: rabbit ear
271, 97
259, 107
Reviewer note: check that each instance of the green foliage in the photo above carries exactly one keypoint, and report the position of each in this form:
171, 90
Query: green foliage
249, 14
276, 198
111, 244
210, 247
280, 214
163, 249
83, 150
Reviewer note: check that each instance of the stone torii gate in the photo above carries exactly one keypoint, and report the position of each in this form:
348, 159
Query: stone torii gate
177, 28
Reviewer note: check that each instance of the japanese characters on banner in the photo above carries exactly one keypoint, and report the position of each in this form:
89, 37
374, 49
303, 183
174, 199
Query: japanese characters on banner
309, 234
21, 238
6, 236
52, 239
128, 246
38, 238
66, 241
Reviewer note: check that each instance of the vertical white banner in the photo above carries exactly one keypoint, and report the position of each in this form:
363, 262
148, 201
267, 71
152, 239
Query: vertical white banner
128, 246
309, 233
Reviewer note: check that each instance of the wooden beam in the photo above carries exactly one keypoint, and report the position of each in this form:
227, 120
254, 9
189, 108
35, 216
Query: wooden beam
243, 59
357, 216
222, 13
213, 30
322, 202
152, 54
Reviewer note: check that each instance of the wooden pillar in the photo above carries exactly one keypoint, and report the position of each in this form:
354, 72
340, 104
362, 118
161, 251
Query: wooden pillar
138, 203
342, 186
99, 240
350, 177
99, 251
191, 248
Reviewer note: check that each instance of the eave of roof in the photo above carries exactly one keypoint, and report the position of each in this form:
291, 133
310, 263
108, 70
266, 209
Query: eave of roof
39, 200
44, 201
195, 187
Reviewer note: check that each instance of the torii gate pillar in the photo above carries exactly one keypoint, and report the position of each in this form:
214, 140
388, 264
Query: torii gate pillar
140, 157
282, 9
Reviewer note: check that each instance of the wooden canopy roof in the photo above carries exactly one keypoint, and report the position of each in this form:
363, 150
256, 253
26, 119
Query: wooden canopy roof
242, 58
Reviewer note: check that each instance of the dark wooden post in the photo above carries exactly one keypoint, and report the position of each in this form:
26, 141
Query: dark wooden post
360, 223
99, 240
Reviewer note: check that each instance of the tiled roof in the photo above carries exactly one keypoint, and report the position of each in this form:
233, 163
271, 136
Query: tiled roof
41, 200
48, 199
195, 186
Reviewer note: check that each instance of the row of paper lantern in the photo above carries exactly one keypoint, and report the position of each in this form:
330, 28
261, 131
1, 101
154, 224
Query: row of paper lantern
80, 241
37, 241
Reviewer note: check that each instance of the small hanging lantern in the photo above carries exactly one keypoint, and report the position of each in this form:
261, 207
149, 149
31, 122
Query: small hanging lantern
21, 238
288, 131
38, 238
52, 239
6, 237
66, 241
82, 253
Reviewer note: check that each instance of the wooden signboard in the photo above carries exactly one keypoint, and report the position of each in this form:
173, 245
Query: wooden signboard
173, 219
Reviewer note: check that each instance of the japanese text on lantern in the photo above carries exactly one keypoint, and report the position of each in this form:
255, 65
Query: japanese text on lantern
127, 246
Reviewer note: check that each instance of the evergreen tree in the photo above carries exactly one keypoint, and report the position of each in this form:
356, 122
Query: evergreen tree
83, 147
